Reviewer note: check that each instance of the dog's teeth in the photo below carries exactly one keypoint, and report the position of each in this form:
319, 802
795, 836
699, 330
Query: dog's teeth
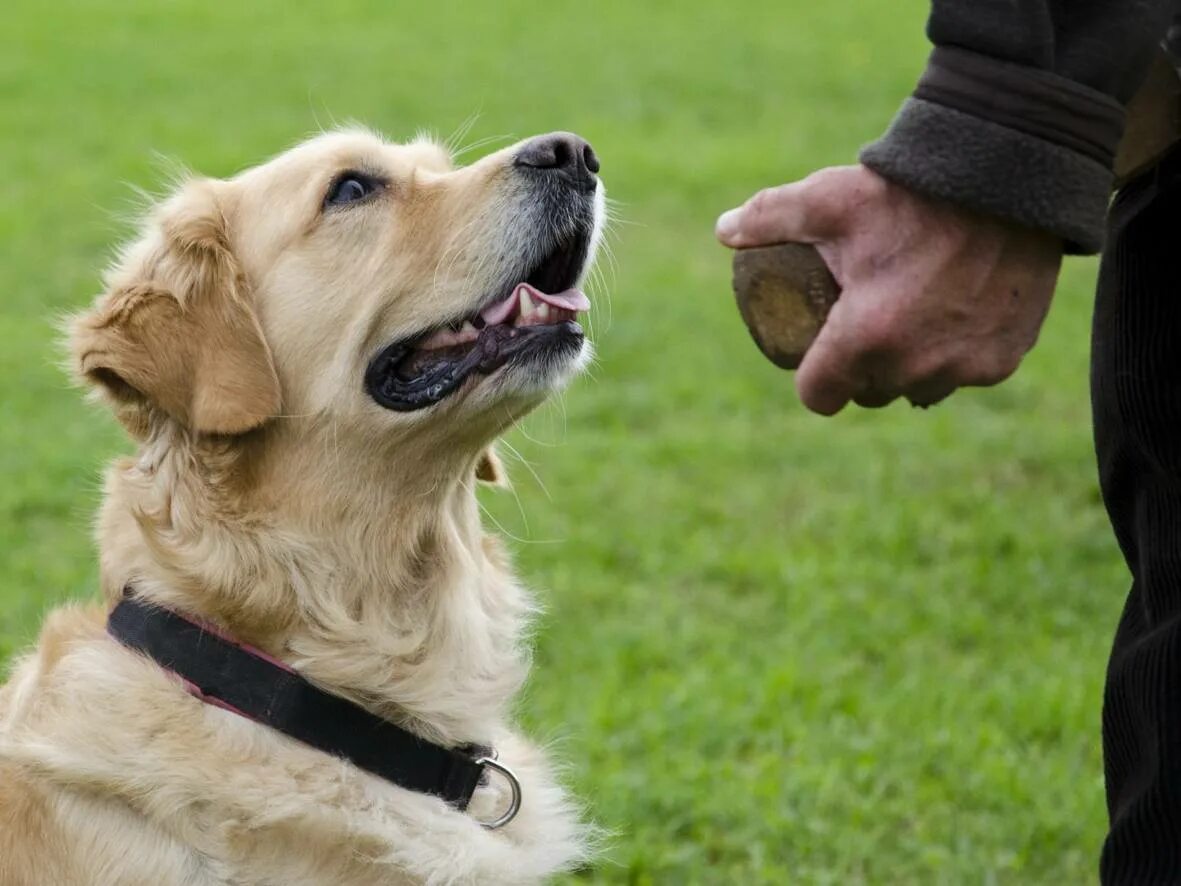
543, 313
527, 306
468, 328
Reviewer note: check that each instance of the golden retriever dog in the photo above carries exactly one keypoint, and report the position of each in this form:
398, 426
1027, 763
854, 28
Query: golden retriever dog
313, 359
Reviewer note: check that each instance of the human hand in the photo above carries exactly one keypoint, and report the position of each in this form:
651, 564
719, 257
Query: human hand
933, 297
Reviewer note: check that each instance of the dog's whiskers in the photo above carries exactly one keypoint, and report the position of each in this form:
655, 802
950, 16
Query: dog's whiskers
451, 143
481, 143
529, 467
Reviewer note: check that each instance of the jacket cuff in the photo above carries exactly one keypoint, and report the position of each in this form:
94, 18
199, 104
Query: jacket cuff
1009, 141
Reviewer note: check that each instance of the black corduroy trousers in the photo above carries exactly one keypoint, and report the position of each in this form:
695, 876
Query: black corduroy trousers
1136, 399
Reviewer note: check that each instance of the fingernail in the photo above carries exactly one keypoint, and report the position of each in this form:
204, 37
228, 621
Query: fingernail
727, 226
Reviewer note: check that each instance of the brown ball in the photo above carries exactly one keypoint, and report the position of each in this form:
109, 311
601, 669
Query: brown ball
784, 293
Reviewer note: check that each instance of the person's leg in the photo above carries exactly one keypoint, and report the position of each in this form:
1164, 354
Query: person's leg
1136, 396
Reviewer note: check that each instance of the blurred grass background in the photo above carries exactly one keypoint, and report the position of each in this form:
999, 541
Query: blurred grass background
778, 648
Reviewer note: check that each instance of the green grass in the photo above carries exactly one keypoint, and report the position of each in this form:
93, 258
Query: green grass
779, 648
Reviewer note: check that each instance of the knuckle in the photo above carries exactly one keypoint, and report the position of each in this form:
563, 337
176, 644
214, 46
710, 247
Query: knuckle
1007, 367
826, 194
761, 204
823, 181
1005, 364
991, 367
831, 178
758, 201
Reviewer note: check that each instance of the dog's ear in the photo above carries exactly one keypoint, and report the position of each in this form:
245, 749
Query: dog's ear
175, 331
490, 469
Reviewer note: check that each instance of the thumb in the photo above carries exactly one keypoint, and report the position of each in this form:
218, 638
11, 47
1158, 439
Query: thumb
801, 212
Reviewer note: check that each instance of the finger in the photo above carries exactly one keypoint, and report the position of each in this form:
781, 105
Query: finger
876, 389
874, 398
801, 212
931, 391
827, 378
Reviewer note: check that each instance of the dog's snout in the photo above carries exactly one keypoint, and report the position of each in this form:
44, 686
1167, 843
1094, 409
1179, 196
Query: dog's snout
564, 154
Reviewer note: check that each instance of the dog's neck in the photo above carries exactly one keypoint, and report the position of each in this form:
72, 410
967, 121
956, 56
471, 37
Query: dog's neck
380, 585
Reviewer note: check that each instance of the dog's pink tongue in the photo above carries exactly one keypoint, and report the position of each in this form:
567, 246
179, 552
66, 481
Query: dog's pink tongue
499, 312
570, 300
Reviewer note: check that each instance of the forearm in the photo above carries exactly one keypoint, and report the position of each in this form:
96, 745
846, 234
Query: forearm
1020, 110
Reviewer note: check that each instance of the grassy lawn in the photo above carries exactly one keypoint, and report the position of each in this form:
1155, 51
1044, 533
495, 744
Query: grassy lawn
778, 648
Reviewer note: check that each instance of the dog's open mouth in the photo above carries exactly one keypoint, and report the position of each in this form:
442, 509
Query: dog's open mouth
536, 317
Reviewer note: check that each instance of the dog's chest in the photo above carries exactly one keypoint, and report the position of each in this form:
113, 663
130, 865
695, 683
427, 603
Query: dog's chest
210, 798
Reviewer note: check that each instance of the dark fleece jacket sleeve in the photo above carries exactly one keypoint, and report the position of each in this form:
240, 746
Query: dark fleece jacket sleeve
1021, 108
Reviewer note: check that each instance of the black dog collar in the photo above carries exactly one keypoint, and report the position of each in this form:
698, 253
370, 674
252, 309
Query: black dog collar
252, 684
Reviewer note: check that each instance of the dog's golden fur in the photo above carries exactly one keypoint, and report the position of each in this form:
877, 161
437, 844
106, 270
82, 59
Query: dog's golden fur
270, 495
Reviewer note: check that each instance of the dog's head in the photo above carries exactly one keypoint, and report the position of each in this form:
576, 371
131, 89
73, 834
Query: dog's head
370, 283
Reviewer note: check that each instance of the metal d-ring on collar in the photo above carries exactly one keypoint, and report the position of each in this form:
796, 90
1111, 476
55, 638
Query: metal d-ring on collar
490, 761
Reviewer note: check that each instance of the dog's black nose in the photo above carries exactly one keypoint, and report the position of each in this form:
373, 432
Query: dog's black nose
563, 153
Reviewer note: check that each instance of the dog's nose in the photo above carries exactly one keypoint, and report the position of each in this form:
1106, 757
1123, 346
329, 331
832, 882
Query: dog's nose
563, 153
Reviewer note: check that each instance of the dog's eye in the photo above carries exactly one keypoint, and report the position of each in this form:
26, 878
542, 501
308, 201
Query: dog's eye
349, 188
